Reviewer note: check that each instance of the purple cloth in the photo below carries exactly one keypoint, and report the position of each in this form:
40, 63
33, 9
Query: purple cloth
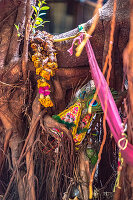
112, 115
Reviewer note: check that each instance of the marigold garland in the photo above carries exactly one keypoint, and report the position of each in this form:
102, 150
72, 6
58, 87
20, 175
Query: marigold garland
42, 83
38, 70
46, 101
45, 74
45, 62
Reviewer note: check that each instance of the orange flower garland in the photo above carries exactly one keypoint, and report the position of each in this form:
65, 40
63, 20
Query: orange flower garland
45, 62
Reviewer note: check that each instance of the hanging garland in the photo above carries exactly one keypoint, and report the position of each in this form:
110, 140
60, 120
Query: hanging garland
45, 62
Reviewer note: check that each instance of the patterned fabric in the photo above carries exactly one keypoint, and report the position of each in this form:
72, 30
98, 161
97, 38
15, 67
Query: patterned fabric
72, 114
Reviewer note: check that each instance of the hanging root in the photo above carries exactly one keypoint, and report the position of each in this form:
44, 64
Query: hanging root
14, 141
30, 194
84, 167
58, 159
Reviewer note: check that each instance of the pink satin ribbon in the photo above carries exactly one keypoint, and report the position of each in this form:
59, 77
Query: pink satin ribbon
112, 115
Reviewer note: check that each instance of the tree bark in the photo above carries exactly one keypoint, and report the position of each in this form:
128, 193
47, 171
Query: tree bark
99, 41
127, 188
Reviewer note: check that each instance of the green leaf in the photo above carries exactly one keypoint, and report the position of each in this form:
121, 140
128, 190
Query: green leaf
35, 9
34, 27
39, 4
45, 22
41, 14
37, 22
16, 26
39, 19
44, 2
45, 8
40, 25
18, 34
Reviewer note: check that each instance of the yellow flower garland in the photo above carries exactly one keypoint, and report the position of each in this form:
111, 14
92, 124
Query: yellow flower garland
45, 74
46, 69
46, 101
42, 83
52, 65
38, 70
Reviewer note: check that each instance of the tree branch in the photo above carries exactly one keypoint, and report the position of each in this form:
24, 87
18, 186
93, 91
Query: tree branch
13, 51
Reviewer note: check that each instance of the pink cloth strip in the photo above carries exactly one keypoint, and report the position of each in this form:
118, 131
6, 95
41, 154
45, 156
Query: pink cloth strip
112, 115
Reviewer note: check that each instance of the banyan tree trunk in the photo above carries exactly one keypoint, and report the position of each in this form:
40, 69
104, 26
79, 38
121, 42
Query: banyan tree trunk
15, 98
100, 42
